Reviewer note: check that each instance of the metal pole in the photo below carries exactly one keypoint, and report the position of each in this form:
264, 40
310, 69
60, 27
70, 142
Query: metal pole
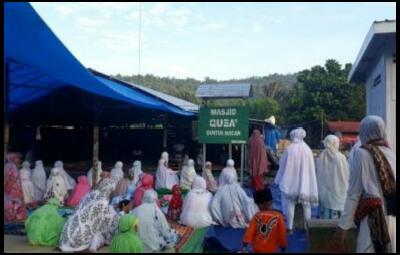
241, 163
165, 134
230, 150
6, 108
204, 156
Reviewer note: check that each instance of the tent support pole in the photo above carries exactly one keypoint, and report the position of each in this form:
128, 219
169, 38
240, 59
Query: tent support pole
165, 134
241, 164
6, 108
204, 156
230, 151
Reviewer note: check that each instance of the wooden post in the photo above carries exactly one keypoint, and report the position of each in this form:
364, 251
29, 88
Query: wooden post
241, 163
95, 153
95, 144
6, 108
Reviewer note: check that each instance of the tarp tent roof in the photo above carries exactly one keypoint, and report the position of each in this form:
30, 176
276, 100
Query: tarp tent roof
39, 63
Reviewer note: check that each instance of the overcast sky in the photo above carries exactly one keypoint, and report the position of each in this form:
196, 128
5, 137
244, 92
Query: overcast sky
218, 40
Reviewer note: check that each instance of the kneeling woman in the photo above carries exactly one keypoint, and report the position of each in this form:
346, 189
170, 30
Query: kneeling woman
45, 224
153, 228
94, 222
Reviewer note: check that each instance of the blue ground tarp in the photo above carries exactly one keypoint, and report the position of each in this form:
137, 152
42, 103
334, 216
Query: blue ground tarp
39, 64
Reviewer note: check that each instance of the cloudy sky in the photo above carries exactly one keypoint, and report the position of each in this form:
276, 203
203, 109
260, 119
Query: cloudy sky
218, 40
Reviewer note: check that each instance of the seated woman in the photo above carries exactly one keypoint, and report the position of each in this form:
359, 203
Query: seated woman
80, 190
196, 210
165, 177
98, 177
175, 205
14, 206
125, 188
93, 223
56, 187
69, 181
229, 169
45, 224
146, 183
153, 228
231, 207
187, 175
117, 171
126, 241
27, 184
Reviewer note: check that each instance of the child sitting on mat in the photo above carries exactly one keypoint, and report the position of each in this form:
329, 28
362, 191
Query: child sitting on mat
266, 231
124, 207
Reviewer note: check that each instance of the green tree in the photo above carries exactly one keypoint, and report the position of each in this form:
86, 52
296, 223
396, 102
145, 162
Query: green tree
323, 92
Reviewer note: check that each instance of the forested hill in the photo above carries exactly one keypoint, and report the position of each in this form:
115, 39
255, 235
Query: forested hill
186, 88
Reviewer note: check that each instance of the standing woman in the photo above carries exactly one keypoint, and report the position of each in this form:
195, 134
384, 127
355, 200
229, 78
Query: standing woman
14, 206
257, 162
27, 184
39, 180
333, 179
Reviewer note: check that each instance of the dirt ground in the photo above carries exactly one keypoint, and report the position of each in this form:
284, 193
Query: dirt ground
19, 244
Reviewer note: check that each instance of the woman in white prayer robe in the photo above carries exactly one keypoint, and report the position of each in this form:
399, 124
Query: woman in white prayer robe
117, 171
90, 174
196, 206
187, 175
296, 178
26, 181
229, 169
39, 180
93, 223
368, 201
230, 206
165, 177
137, 171
56, 186
333, 179
153, 227
69, 181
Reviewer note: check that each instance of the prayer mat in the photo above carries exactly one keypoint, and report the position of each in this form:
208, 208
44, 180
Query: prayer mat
320, 233
15, 228
190, 240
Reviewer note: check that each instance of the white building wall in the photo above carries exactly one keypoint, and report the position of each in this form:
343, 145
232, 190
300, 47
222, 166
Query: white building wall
391, 98
376, 95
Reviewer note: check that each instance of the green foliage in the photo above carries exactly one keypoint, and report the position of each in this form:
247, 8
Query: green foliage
323, 92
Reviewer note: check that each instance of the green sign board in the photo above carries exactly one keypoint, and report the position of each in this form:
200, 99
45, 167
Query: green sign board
223, 125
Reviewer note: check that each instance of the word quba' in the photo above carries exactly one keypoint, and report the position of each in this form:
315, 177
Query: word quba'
224, 123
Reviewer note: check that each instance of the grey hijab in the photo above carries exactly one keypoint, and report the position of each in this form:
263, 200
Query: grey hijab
372, 128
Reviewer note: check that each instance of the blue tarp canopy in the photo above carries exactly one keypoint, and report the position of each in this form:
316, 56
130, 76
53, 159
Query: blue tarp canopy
39, 63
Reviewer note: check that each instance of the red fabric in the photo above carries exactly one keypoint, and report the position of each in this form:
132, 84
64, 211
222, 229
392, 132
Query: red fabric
14, 207
80, 190
257, 182
146, 183
175, 206
365, 206
257, 162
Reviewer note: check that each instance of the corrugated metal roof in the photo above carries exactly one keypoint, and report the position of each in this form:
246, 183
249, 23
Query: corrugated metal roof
344, 126
178, 102
224, 90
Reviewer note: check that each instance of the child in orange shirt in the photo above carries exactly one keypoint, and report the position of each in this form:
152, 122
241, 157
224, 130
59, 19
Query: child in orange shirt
266, 231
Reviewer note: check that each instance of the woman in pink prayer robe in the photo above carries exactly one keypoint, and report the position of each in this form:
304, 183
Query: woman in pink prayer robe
80, 190
146, 183
14, 206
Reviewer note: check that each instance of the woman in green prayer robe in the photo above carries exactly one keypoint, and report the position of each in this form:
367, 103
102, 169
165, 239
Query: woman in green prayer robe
45, 224
126, 241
